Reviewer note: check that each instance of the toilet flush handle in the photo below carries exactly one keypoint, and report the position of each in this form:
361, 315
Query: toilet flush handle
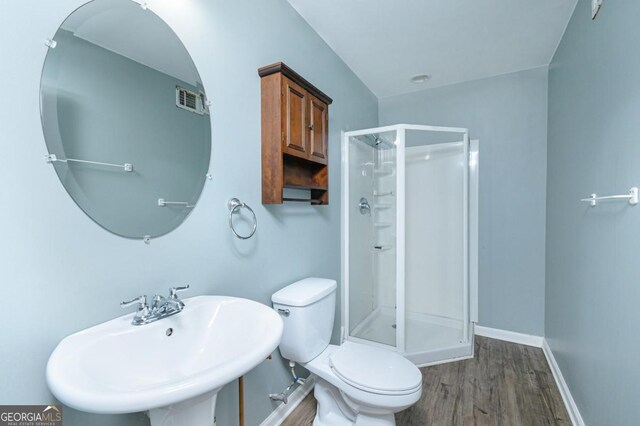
284, 312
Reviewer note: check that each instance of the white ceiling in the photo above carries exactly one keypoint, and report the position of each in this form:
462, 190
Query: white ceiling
386, 42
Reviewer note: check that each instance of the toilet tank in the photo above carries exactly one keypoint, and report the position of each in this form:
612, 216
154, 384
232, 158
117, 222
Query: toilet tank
307, 308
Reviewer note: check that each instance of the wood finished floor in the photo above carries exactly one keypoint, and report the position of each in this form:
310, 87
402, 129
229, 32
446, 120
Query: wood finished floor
504, 384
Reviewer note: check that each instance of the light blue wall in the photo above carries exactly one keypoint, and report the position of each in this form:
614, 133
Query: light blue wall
508, 114
62, 273
593, 255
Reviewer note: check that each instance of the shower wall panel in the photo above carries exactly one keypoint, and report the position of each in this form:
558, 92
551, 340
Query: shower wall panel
434, 240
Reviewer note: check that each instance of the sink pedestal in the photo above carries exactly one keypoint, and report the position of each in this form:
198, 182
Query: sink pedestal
199, 410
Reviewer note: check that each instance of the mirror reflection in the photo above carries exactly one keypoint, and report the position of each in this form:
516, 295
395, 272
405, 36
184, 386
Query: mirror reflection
125, 118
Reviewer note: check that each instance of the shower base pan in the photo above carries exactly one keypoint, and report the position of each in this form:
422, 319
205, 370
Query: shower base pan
430, 339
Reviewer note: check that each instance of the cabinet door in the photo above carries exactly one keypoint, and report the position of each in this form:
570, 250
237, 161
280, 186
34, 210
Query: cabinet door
294, 127
318, 124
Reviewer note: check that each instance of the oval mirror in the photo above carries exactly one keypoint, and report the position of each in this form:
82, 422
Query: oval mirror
125, 118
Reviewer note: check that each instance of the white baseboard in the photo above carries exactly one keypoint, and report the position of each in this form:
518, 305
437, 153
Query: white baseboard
572, 408
509, 336
278, 415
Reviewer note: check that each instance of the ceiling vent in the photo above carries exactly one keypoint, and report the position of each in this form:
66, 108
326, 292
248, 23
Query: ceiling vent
191, 101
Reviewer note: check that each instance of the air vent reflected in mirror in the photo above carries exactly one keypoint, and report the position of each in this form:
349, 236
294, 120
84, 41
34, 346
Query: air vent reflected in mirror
191, 101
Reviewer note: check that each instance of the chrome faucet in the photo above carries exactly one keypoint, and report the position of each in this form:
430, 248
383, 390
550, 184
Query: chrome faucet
161, 307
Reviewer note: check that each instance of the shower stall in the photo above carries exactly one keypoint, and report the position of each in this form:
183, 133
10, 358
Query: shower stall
409, 230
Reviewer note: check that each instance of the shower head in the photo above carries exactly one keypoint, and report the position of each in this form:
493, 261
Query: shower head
375, 141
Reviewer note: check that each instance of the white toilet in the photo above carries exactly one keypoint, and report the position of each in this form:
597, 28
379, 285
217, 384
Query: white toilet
356, 384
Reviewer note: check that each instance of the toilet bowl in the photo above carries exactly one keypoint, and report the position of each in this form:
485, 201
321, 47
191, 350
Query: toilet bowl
356, 384
373, 384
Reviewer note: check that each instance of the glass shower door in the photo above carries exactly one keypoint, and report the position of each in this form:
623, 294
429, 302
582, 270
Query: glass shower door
435, 267
371, 194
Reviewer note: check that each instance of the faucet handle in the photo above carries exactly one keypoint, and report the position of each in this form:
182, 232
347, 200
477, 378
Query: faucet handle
173, 291
140, 300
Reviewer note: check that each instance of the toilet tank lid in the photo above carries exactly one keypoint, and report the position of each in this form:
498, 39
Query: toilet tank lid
304, 292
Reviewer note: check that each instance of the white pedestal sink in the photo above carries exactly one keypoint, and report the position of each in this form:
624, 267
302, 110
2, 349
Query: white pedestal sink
172, 368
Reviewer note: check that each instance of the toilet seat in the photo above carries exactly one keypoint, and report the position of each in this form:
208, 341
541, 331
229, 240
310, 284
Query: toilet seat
375, 370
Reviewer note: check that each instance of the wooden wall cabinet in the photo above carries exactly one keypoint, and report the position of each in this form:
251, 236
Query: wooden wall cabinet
295, 136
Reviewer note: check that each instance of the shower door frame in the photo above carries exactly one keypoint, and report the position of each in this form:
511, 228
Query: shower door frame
470, 221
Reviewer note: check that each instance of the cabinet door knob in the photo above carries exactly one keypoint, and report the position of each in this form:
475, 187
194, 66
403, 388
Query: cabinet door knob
310, 126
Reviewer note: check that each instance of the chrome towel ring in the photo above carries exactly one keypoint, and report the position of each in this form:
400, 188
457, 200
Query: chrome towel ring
234, 206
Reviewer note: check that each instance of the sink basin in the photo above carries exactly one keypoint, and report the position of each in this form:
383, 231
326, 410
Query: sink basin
173, 367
